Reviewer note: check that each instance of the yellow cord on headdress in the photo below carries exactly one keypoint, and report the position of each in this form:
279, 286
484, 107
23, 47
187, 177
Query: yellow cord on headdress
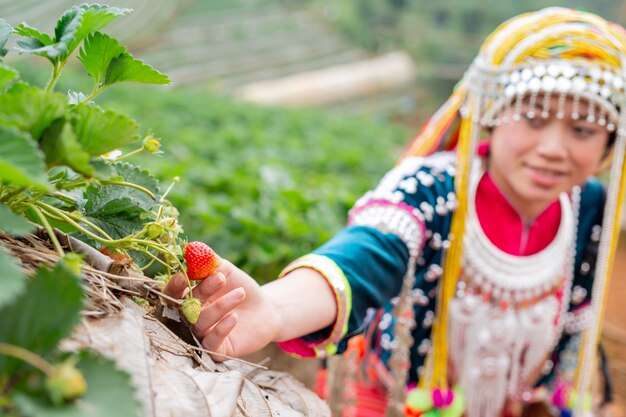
452, 268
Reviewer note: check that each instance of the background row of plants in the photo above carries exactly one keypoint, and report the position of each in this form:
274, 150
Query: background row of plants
442, 36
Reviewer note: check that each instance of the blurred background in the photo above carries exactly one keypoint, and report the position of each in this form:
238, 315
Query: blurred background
283, 112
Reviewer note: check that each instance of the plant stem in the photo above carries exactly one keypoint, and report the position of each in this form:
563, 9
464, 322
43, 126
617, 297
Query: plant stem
11, 193
97, 90
129, 154
67, 218
165, 250
131, 185
48, 228
64, 197
154, 258
56, 71
176, 179
70, 217
27, 356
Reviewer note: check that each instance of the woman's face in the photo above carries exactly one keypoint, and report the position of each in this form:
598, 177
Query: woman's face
535, 159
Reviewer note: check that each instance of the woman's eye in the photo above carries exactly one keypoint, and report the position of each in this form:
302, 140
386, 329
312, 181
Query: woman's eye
583, 131
535, 120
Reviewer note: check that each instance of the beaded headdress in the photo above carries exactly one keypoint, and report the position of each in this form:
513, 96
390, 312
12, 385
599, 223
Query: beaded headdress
555, 52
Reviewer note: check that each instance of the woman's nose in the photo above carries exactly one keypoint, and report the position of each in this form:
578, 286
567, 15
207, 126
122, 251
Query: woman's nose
552, 140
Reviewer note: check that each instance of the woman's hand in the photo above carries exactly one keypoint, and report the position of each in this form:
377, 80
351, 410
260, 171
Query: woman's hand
236, 319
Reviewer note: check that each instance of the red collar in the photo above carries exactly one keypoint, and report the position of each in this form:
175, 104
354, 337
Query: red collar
505, 228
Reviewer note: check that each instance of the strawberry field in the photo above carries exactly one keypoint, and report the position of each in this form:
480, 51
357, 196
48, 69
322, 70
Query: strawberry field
102, 184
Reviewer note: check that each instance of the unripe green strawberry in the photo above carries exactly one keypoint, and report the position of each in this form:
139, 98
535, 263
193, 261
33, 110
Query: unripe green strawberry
65, 382
202, 261
151, 144
191, 309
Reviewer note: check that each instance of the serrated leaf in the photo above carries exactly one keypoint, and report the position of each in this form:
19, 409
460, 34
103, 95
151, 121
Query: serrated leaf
27, 31
13, 223
12, 278
31, 110
127, 68
96, 54
38, 43
118, 209
7, 76
103, 170
42, 315
108, 200
5, 32
109, 393
78, 22
21, 161
100, 131
60, 145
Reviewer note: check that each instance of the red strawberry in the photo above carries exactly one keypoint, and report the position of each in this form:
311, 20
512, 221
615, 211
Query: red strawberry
202, 261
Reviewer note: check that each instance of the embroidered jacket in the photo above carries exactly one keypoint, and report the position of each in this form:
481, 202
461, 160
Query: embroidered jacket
410, 212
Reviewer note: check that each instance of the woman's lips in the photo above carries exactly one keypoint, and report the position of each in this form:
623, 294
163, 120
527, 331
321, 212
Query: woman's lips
545, 177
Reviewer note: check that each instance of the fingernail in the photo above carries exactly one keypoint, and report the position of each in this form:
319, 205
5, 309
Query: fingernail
217, 280
236, 294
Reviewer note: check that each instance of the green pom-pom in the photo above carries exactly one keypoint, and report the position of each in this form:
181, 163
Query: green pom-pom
419, 399
573, 398
432, 413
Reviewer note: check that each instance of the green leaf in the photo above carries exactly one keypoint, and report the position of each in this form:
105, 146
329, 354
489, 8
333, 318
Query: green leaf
97, 52
7, 76
100, 131
108, 200
31, 110
109, 393
21, 162
12, 278
127, 68
108, 62
38, 43
27, 31
13, 223
118, 209
5, 32
44, 314
78, 22
60, 145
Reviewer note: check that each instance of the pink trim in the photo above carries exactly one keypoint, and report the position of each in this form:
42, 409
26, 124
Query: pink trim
299, 347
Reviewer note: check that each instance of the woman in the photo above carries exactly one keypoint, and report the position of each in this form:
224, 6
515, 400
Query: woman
476, 264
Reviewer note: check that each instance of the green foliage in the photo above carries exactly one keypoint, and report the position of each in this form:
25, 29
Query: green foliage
443, 37
54, 171
262, 186
107, 394
13, 223
107, 62
5, 32
12, 279
42, 315
71, 29
21, 162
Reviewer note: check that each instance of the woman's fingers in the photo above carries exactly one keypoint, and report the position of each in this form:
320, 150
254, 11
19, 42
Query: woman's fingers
216, 311
208, 287
216, 338
176, 286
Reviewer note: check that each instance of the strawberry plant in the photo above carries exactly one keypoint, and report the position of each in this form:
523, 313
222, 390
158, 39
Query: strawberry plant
62, 177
